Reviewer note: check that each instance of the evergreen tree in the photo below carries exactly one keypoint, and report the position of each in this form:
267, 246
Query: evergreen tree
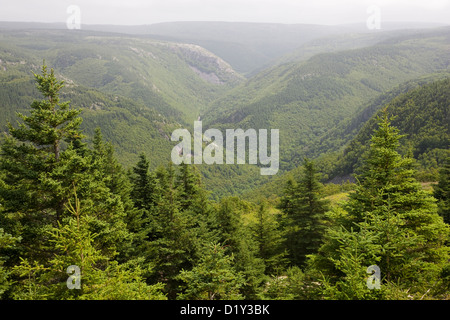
305, 210
6, 243
266, 231
404, 234
143, 185
290, 286
177, 229
95, 276
116, 188
235, 236
442, 192
38, 174
142, 222
42, 161
195, 205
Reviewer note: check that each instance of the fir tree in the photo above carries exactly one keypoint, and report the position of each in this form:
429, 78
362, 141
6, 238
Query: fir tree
7, 242
176, 234
235, 236
269, 237
305, 211
442, 191
404, 234
38, 172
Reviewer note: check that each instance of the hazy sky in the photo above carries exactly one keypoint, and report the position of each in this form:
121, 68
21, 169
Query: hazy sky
135, 12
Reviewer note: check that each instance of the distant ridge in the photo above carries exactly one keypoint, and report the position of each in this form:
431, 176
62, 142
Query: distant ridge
246, 46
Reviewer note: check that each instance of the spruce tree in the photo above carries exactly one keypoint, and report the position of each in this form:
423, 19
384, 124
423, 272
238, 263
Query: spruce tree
442, 191
42, 161
78, 269
238, 241
7, 242
143, 190
176, 232
269, 237
304, 211
405, 237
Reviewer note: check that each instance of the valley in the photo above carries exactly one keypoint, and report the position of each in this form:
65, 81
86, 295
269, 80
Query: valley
138, 89
224, 161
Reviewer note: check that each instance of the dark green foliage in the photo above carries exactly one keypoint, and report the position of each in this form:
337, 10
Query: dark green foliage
173, 221
442, 192
38, 175
213, 278
304, 209
6, 242
269, 236
235, 236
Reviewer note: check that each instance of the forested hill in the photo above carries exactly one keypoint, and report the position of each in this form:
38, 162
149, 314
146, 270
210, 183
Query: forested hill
92, 208
307, 99
137, 90
74, 225
423, 116
419, 108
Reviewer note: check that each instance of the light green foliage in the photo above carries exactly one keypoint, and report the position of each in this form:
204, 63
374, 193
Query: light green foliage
100, 278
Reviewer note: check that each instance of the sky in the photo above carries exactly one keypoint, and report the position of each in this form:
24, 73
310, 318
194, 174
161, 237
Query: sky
139, 12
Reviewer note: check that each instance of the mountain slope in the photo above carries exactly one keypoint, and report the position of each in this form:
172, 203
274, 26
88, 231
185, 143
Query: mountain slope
421, 111
178, 80
422, 114
250, 47
136, 90
305, 100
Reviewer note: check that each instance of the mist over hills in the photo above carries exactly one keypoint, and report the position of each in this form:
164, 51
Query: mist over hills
247, 47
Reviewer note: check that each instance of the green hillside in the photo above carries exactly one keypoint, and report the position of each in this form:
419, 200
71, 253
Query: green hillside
136, 90
421, 111
178, 80
307, 99
423, 116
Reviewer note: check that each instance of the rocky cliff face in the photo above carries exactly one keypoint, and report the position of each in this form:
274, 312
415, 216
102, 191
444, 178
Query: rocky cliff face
206, 65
